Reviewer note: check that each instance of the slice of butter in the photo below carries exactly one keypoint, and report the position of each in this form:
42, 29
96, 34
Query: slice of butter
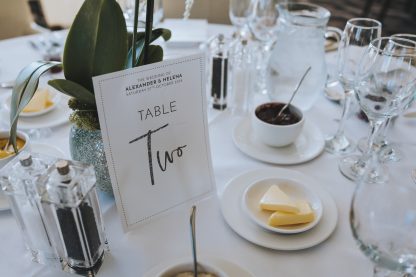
40, 101
276, 200
305, 215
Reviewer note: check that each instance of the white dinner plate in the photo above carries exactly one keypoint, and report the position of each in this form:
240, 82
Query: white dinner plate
307, 146
297, 191
56, 117
36, 148
229, 268
247, 229
55, 97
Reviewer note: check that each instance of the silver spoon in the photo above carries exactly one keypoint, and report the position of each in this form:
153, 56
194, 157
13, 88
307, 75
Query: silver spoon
192, 221
295, 91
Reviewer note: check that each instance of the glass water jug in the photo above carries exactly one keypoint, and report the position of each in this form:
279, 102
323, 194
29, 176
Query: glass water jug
300, 44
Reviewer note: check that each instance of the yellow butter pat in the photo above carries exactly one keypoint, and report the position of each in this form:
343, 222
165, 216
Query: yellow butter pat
40, 101
277, 200
305, 215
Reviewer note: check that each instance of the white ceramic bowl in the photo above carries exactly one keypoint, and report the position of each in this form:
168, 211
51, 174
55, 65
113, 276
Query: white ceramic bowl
188, 266
277, 135
21, 135
298, 191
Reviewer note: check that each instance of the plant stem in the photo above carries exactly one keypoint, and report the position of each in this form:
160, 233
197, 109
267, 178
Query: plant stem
148, 31
136, 20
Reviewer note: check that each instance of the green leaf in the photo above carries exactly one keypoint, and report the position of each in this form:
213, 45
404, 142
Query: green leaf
20, 84
156, 33
26, 84
74, 90
96, 43
139, 48
155, 55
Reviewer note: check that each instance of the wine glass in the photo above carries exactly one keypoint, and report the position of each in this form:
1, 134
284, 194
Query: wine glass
383, 218
385, 84
357, 34
391, 151
264, 27
241, 12
128, 11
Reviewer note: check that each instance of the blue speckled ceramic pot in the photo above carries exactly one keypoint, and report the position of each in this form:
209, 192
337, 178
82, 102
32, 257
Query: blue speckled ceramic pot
87, 146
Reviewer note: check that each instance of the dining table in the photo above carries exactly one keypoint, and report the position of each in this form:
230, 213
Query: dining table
166, 239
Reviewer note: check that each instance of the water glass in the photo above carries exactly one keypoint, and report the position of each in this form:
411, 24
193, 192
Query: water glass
385, 84
383, 217
241, 12
357, 35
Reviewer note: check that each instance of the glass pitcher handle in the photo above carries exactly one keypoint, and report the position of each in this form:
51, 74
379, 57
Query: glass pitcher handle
332, 37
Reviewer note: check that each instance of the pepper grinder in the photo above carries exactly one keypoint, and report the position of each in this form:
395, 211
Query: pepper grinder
71, 208
219, 73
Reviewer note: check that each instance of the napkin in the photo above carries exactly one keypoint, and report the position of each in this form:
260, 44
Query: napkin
186, 33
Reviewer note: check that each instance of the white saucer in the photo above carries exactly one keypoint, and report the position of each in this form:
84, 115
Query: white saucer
229, 268
297, 191
307, 146
246, 228
58, 116
36, 148
55, 99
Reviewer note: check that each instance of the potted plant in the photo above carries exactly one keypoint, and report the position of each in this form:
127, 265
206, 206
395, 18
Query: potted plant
97, 43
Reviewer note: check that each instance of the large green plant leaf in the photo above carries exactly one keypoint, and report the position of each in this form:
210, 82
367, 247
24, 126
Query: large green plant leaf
155, 55
20, 85
26, 84
156, 33
74, 90
96, 43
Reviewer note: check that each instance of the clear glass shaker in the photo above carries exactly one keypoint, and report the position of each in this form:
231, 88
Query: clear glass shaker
241, 70
219, 65
71, 209
18, 179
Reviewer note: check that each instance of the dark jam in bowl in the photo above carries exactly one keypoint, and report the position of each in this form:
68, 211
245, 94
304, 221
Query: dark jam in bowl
268, 113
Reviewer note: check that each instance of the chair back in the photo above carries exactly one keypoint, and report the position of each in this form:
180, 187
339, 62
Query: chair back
15, 18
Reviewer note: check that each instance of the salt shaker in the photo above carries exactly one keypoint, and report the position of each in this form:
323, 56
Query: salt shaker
241, 72
18, 180
70, 205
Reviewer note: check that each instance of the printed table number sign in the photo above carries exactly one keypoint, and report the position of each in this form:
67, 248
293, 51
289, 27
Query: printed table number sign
154, 127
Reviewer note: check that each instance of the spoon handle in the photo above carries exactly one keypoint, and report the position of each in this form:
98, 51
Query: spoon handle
192, 221
294, 92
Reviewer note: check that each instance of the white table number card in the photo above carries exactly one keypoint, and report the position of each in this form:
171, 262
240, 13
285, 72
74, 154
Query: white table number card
154, 126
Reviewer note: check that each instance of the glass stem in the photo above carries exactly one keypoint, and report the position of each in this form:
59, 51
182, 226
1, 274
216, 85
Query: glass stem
372, 146
382, 139
345, 111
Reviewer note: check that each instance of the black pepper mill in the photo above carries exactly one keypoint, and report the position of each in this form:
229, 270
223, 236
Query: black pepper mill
71, 207
219, 74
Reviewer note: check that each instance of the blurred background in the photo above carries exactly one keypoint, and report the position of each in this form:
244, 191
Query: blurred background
17, 16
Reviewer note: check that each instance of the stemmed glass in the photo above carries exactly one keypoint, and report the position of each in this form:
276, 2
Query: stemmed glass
358, 33
390, 151
385, 84
383, 218
128, 10
241, 12
264, 27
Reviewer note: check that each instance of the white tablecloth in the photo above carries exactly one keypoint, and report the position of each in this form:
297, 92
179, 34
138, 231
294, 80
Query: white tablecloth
167, 237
